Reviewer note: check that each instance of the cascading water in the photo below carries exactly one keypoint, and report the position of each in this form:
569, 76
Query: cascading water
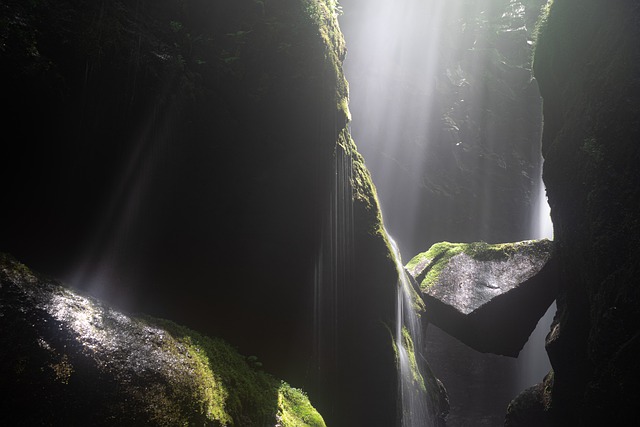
411, 364
333, 263
533, 362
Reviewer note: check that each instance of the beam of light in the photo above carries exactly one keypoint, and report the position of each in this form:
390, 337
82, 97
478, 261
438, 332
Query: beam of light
401, 54
104, 267
392, 82
533, 362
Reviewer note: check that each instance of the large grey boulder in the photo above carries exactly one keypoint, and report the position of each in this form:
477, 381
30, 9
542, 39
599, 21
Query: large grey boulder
488, 296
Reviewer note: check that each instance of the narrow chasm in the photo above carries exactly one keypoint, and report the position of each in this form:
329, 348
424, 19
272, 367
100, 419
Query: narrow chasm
199, 198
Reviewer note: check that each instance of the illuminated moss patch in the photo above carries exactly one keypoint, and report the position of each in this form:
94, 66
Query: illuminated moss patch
418, 381
295, 410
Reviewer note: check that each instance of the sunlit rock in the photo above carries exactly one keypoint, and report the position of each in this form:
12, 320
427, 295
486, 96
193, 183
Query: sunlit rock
69, 360
488, 296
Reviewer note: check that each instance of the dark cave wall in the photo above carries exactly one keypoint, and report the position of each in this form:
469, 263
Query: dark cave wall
180, 159
588, 66
156, 141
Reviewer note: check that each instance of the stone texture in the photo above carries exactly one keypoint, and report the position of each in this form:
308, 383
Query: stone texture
68, 359
530, 408
588, 65
488, 296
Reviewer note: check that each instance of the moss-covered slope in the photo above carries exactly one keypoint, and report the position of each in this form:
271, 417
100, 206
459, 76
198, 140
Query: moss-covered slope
70, 360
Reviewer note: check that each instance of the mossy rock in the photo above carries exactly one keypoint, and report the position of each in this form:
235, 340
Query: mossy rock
427, 266
71, 360
489, 296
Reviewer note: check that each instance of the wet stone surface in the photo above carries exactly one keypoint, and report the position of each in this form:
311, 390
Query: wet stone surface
490, 297
467, 284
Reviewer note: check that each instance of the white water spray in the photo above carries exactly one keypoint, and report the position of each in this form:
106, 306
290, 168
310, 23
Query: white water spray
411, 364
533, 362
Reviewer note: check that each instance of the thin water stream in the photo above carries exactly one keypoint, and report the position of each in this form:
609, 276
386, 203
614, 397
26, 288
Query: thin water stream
411, 364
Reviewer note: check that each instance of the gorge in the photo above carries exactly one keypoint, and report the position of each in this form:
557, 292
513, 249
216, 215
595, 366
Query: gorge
197, 161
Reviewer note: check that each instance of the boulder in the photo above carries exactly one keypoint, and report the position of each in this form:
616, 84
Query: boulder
488, 296
530, 408
67, 359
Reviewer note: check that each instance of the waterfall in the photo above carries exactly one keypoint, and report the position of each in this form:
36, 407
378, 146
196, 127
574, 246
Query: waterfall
533, 362
408, 341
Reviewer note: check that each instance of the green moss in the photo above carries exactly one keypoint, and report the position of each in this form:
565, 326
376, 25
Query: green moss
343, 107
483, 251
324, 16
431, 262
542, 20
418, 381
417, 302
230, 388
295, 410
211, 393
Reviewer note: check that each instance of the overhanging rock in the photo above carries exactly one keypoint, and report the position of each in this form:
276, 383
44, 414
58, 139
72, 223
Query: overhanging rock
488, 296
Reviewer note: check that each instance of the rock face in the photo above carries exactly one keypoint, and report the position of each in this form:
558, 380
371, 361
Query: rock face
530, 408
70, 360
192, 160
588, 64
488, 296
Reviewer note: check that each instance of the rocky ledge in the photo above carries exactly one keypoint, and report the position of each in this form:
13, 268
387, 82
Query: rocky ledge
488, 296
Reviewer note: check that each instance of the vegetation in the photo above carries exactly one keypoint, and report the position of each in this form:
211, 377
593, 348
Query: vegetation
294, 408
232, 388
418, 381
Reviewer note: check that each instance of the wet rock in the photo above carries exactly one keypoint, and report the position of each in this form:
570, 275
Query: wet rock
488, 296
70, 360
530, 408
